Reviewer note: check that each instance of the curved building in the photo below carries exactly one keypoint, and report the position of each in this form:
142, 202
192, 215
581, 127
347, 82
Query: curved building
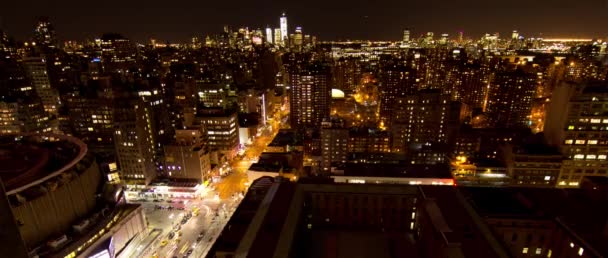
51, 183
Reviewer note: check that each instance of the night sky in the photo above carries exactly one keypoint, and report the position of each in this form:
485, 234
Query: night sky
179, 20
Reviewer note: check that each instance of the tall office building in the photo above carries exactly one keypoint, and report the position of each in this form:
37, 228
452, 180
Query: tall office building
284, 29
278, 40
222, 130
134, 140
298, 39
515, 35
44, 33
420, 119
510, 98
269, 35
37, 72
585, 140
406, 35
310, 95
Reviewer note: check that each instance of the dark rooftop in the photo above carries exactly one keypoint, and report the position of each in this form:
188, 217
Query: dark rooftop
397, 170
236, 227
286, 137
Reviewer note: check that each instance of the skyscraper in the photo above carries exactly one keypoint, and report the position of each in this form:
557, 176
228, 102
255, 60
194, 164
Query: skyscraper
284, 29
269, 35
37, 71
406, 35
135, 140
510, 97
278, 40
420, 119
396, 81
298, 39
585, 141
310, 95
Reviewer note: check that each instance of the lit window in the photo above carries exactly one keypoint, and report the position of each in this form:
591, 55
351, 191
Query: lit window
602, 156
525, 250
569, 141
570, 127
549, 253
579, 156
547, 178
596, 121
592, 142
580, 251
539, 250
580, 142
591, 156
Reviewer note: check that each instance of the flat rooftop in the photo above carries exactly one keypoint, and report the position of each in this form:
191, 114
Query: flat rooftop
286, 137
398, 170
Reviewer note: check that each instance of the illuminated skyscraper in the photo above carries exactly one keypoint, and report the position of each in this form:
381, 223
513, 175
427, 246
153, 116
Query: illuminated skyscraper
510, 97
44, 33
134, 140
585, 141
269, 35
395, 81
298, 39
284, 28
310, 95
277, 37
406, 35
420, 119
37, 72
515, 35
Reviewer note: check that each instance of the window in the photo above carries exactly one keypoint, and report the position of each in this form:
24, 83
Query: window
580, 251
539, 250
580, 142
524, 251
569, 141
592, 142
579, 156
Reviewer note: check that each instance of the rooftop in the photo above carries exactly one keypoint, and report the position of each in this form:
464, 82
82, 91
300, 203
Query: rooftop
30, 158
286, 137
397, 170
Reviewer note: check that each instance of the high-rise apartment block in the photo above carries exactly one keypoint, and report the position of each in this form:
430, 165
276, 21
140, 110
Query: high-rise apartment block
37, 71
420, 119
585, 139
510, 97
310, 95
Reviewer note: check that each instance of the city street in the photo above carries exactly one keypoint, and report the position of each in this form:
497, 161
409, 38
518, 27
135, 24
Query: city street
188, 227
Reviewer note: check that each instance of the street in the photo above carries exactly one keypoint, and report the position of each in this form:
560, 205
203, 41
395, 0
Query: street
188, 227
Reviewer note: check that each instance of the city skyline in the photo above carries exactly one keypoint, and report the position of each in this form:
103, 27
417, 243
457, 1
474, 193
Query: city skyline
179, 23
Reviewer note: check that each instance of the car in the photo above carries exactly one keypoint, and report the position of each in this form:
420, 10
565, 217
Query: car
156, 200
210, 239
164, 243
181, 208
169, 201
198, 239
171, 235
